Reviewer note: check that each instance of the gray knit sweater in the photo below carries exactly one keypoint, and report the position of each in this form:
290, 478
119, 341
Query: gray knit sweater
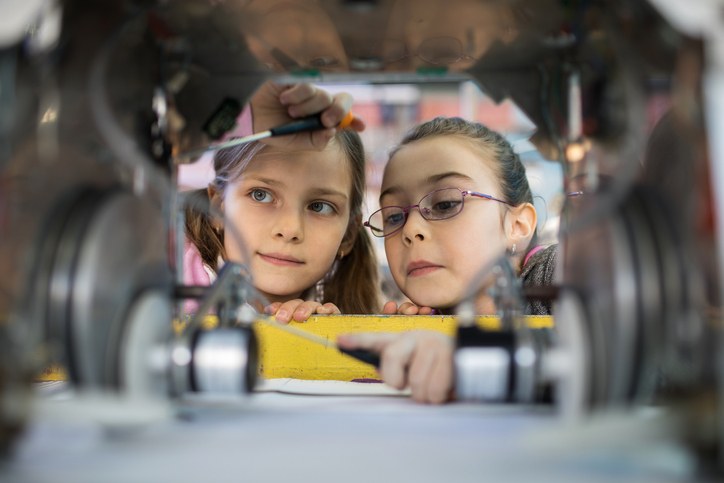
538, 271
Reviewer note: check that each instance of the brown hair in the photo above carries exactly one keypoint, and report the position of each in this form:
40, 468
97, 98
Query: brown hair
352, 282
508, 169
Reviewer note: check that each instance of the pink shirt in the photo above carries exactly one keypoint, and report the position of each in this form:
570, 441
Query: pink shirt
196, 272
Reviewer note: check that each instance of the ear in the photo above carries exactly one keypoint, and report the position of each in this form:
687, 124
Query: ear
216, 203
351, 235
520, 226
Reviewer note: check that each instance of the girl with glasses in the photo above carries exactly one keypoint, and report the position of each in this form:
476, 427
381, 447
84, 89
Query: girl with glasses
454, 198
290, 210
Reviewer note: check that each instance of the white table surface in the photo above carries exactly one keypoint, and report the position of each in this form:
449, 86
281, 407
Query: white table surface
294, 438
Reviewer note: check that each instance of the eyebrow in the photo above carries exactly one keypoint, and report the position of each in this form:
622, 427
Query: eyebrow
434, 179
269, 181
314, 191
328, 192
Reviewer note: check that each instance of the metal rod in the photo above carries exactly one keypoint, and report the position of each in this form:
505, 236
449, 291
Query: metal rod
227, 144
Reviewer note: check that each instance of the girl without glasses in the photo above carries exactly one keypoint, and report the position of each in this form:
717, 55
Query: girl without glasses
455, 197
290, 211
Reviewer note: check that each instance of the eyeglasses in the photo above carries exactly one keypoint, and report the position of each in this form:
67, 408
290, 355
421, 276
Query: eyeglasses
437, 205
436, 50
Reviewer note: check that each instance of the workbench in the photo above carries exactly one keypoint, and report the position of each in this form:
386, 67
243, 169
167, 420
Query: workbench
295, 438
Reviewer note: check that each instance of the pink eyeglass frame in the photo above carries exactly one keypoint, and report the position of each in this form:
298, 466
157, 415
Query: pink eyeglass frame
406, 210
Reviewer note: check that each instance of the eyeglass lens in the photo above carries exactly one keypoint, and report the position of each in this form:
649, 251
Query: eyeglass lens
438, 205
441, 50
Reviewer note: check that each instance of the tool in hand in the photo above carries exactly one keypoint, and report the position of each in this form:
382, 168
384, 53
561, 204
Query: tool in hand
310, 123
367, 357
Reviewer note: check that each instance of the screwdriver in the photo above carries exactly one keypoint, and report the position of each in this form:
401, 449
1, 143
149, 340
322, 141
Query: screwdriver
310, 123
367, 357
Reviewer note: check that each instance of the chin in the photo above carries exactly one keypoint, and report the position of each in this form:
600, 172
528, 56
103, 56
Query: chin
436, 300
277, 291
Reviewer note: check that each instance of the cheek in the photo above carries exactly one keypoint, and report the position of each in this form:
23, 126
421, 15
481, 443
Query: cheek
321, 251
479, 244
392, 252
237, 236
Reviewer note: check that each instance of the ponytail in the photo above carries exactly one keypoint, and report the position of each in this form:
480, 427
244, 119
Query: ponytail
200, 229
353, 284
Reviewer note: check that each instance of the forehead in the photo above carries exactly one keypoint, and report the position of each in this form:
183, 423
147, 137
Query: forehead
414, 164
319, 168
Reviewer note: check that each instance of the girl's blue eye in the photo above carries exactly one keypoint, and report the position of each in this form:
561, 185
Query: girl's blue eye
261, 196
321, 208
443, 206
395, 219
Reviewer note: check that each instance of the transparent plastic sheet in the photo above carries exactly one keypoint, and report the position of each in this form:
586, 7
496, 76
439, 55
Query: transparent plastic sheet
505, 364
203, 207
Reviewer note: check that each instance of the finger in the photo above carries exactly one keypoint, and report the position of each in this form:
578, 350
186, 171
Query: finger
421, 363
367, 340
341, 105
424, 310
321, 101
440, 382
328, 308
320, 139
395, 360
358, 125
304, 310
285, 311
324, 309
390, 308
408, 308
297, 94
272, 309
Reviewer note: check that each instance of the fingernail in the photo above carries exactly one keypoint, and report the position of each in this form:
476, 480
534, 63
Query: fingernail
293, 112
282, 314
329, 120
283, 100
301, 312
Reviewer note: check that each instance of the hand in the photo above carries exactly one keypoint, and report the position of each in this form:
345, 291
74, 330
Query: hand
406, 308
275, 104
421, 359
299, 310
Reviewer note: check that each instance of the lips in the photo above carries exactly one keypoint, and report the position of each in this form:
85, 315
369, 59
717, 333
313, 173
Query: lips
281, 259
419, 268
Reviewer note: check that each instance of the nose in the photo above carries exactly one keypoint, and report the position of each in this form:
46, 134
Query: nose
288, 225
416, 227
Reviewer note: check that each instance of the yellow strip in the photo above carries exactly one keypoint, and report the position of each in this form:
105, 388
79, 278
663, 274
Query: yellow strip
54, 372
283, 355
